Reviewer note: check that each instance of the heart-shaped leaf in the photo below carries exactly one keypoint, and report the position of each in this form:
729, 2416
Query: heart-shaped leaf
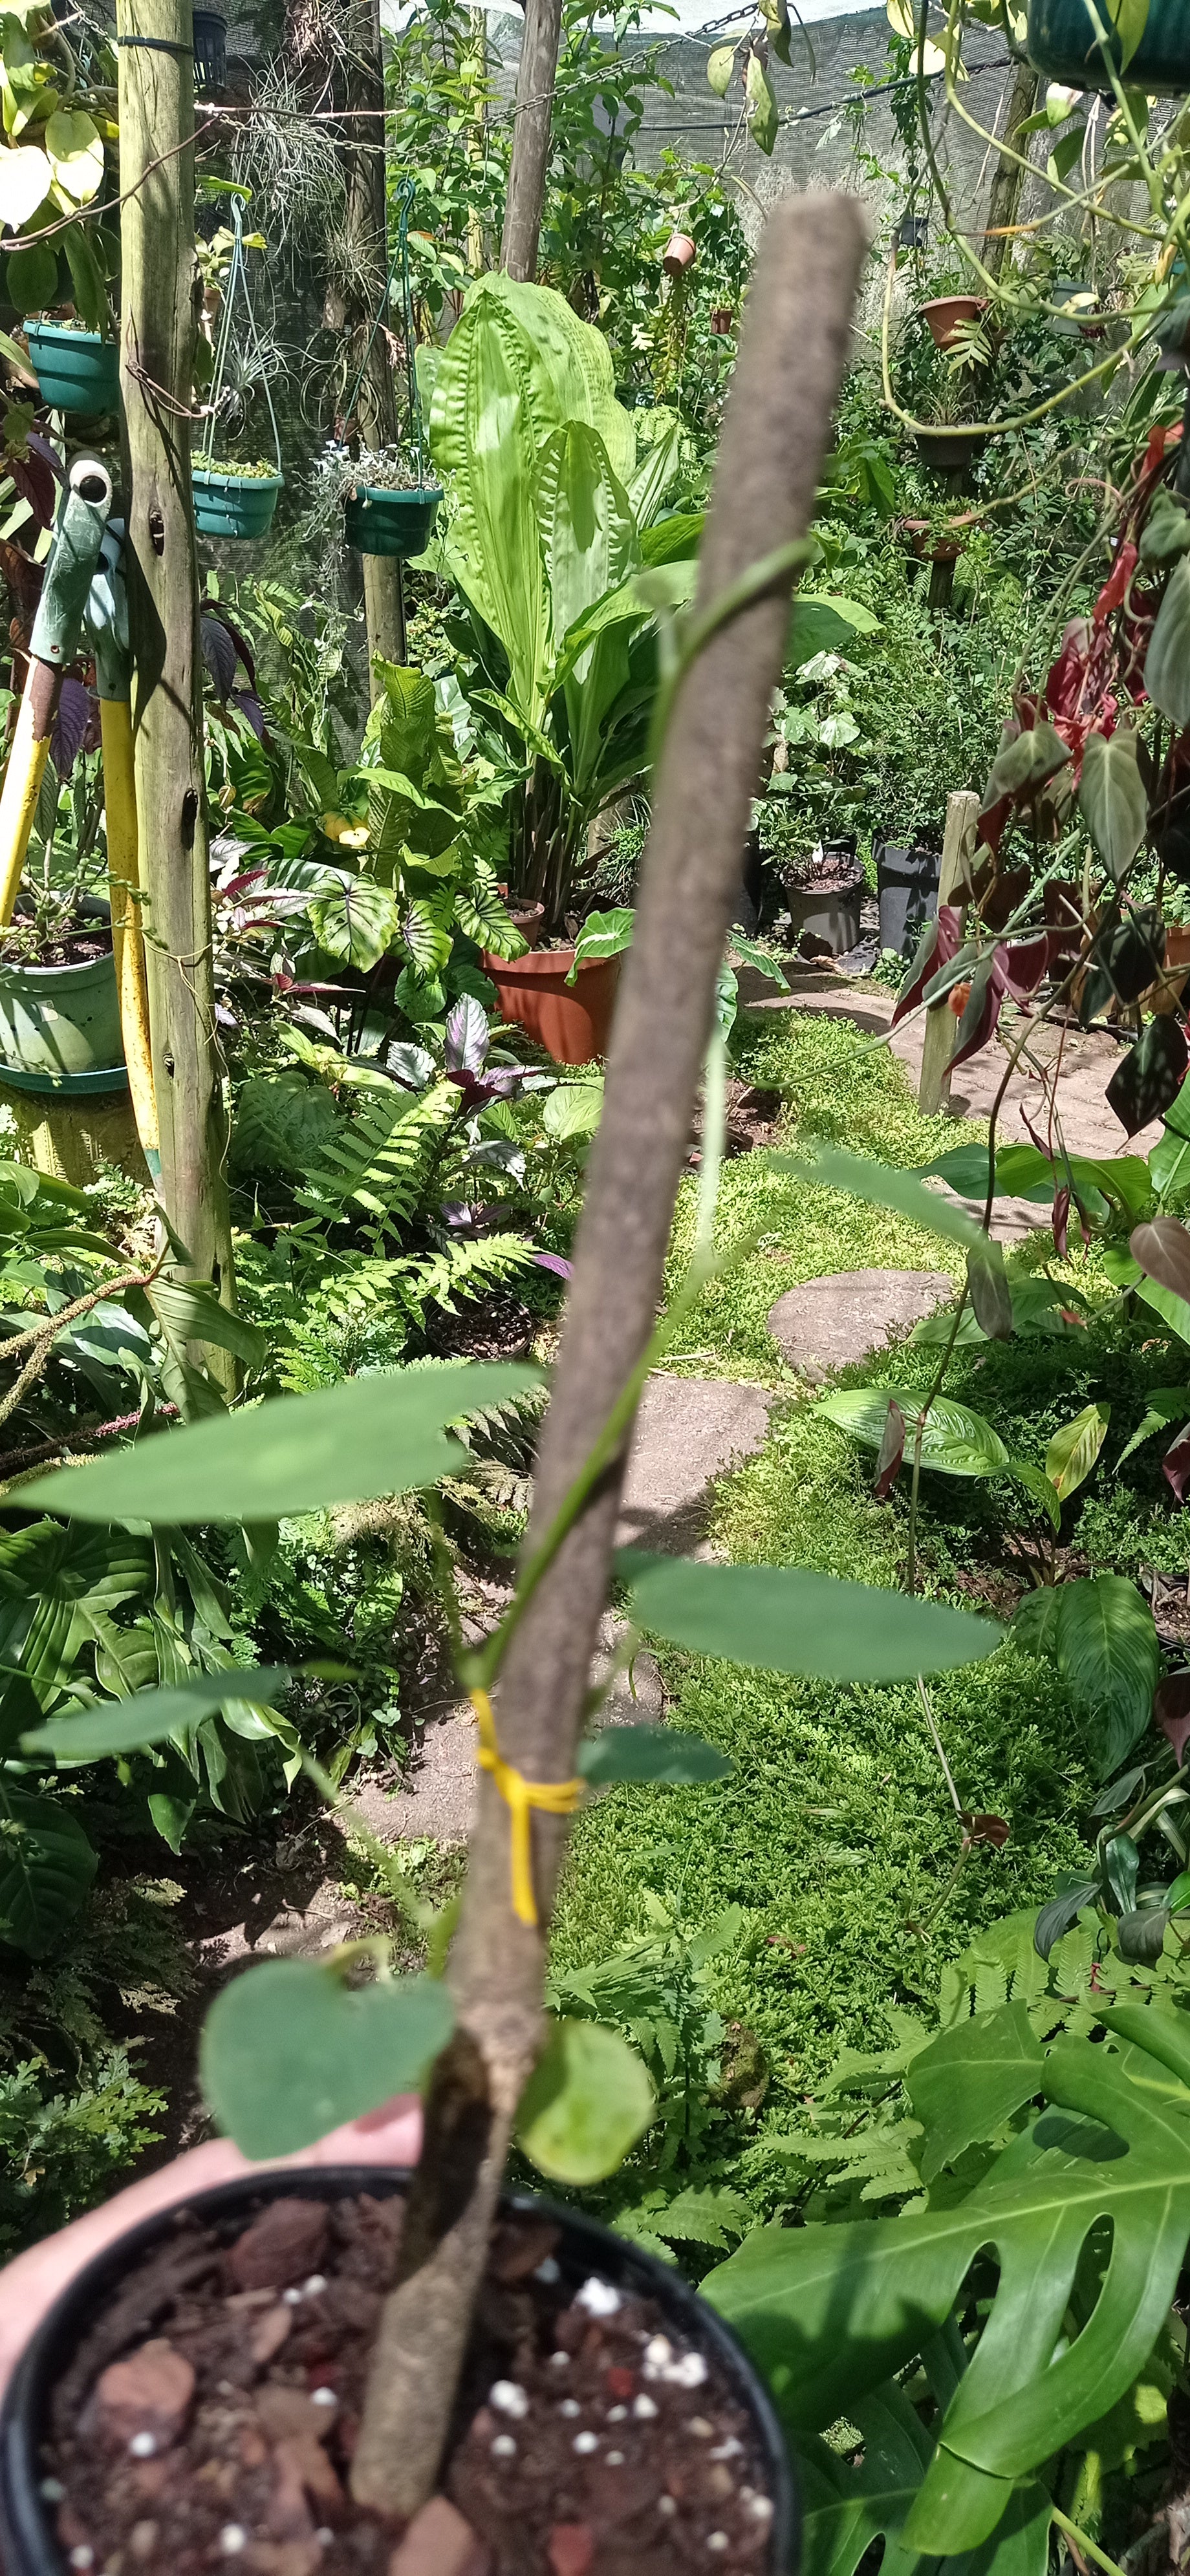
1163, 1250
289, 2052
1112, 798
586, 2103
1149, 1079
954, 1441
1167, 662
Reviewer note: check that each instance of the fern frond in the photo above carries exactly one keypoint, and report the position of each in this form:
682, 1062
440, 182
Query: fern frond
378, 1167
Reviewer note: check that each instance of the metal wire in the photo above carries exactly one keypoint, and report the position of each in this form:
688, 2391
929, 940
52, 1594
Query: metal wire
399, 270
237, 277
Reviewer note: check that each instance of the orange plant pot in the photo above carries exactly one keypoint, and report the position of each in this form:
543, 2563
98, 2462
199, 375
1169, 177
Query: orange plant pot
572, 1023
1165, 996
678, 255
945, 312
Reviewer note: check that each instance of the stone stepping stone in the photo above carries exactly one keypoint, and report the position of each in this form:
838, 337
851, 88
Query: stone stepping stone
688, 1431
828, 1323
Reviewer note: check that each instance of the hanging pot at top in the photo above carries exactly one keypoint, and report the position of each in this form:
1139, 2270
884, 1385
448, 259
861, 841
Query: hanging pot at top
944, 314
679, 254
380, 522
234, 505
210, 53
1062, 44
75, 370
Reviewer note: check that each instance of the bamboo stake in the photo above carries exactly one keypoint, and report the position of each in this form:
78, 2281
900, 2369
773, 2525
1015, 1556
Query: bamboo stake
161, 294
937, 1046
792, 355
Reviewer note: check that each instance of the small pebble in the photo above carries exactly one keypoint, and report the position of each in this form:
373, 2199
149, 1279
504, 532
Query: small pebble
645, 2408
325, 2536
598, 2298
225, 2388
316, 2282
570, 2406
728, 2450
717, 2540
658, 2353
665, 2504
560, 2360
142, 2446
689, 2372
702, 2431
292, 2298
509, 2398
323, 2397
53, 2490
232, 2539
616, 2414
504, 2447
548, 2272
586, 2442
760, 2508
615, 2459
82, 2556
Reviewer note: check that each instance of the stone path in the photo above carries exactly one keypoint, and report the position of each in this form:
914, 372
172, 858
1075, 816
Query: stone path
826, 1323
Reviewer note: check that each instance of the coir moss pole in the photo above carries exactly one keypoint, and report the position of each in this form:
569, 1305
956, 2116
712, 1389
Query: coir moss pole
792, 353
161, 290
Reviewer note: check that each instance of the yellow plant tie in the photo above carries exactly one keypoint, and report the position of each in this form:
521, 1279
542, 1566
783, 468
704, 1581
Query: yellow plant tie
554, 1797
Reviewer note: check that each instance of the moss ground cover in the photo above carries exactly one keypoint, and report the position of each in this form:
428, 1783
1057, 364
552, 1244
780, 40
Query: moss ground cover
836, 1837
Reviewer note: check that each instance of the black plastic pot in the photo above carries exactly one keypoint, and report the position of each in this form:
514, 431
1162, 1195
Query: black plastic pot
947, 449
827, 914
210, 53
907, 885
28, 2539
748, 901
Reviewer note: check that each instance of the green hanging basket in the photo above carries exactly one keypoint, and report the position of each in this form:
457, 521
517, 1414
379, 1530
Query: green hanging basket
234, 505
75, 370
1062, 45
392, 523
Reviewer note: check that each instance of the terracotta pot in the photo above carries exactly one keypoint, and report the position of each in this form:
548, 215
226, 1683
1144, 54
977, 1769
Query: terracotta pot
679, 254
529, 919
721, 321
1166, 996
572, 1022
945, 312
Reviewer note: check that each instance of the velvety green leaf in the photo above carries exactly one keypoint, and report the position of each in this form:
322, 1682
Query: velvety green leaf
46, 1867
1038, 1485
586, 2103
955, 1441
1113, 799
1167, 663
1027, 2391
125, 1725
1110, 1660
572, 1110
664, 1754
1063, 1910
1074, 1449
288, 2051
374, 1435
970, 2080
1035, 1624
356, 922
788, 1620
1173, 1311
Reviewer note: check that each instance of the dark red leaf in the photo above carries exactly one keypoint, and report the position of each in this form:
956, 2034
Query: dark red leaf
246, 703
986, 1829
1061, 1219
1162, 1248
1175, 1466
940, 942
1143, 1086
36, 485
71, 726
1112, 594
219, 654
891, 1453
23, 576
982, 1012
554, 1261
1171, 1711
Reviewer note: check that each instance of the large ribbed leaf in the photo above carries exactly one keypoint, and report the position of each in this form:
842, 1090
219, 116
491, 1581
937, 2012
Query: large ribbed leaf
46, 1867
831, 2312
845, 2508
955, 1441
589, 535
58, 1588
485, 441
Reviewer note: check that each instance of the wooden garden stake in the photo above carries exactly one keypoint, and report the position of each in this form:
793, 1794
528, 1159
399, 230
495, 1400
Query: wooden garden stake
958, 849
1009, 177
792, 354
533, 115
366, 230
162, 291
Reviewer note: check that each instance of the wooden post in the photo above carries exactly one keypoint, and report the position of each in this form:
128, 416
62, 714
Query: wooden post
535, 78
160, 310
1009, 179
366, 228
958, 848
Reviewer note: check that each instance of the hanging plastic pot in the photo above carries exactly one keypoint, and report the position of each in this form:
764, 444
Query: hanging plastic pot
392, 523
678, 255
721, 321
914, 232
75, 370
1062, 44
234, 505
210, 53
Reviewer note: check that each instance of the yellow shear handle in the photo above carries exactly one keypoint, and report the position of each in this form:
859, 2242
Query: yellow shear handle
123, 867
28, 753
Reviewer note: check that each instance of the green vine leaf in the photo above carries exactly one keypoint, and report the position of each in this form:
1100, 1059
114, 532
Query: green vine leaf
289, 2052
586, 2103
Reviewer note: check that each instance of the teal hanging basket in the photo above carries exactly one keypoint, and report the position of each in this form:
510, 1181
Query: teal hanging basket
392, 523
75, 370
234, 505
1062, 45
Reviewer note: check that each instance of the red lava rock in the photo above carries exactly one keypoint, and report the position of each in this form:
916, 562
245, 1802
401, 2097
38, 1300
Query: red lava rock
571, 2548
284, 2412
150, 2392
303, 2460
439, 2543
519, 2247
269, 2333
620, 2383
254, 2449
285, 2244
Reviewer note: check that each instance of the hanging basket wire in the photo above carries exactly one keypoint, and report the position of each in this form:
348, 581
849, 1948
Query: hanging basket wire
231, 504
382, 519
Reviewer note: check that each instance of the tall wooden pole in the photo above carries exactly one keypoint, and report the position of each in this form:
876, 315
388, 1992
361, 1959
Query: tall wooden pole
1009, 179
532, 119
162, 292
366, 228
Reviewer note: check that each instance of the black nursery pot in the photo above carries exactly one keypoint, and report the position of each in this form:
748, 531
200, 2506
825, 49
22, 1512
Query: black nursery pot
29, 2545
907, 885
